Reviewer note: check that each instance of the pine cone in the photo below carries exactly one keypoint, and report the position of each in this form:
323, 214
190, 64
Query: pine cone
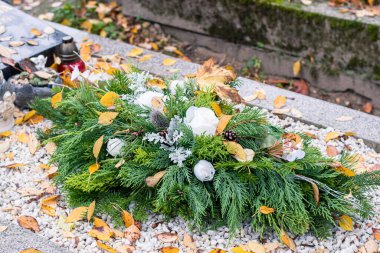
229, 135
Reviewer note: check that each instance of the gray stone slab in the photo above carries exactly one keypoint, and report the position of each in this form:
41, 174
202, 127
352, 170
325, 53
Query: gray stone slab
15, 238
315, 111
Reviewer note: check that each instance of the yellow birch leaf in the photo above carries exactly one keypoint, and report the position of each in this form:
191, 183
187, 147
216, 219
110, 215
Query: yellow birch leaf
345, 222
145, 57
239, 250
56, 99
101, 230
216, 107
97, 146
35, 119
154, 46
170, 249
49, 210
222, 124
105, 247
14, 165
169, 61
50, 201
90, 210
345, 171
44, 166
331, 136
266, 210
255, 247
127, 218
218, 251
85, 53
19, 120
156, 82
87, 25
76, 214
50, 147
94, 168
279, 102
23, 137
35, 32
106, 118
349, 134
288, 241
296, 67
153, 180
28, 115
30, 250
103, 33
127, 68
109, 99
135, 52
5, 134
66, 22
235, 149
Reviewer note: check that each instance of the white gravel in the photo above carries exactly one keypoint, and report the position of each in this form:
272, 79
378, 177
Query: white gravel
12, 204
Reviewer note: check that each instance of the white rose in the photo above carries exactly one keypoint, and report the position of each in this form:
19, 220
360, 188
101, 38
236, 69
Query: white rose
145, 99
204, 171
176, 84
201, 120
114, 146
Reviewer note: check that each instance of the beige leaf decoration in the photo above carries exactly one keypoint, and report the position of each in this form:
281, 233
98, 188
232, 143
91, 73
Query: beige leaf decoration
223, 122
153, 180
76, 214
97, 146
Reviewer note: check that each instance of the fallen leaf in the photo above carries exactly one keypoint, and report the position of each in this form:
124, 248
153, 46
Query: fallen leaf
255, 247
235, 149
229, 94
33, 144
210, 75
119, 163
170, 249
97, 146
331, 151
106, 118
188, 242
3, 228
135, 52
4, 146
125, 249
168, 61
76, 214
23, 137
216, 107
101, 230
50, 147
32, 42
315, 192
266, 210
239, 249
271, 246
5, 134
127, 218
105, 247
223, 122
16, 43
285, 238
30, 250
90, 210
93, 168
156, 82
8, 61
153, 180
28, 222
29, 192
345, 222
367, 107
127, 68
6, 52
145, 57
281, 111
35, 119
14, 165
331, 136
218, 251
345, 171
56, 99
279, 102
371, 246
376, 233
49, 30
296, 67
109, 99
35, 32
132, 233
301, 87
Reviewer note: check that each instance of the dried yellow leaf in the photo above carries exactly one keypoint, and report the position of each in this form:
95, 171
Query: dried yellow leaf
156, 82
97, 146
23, 137
210, 75
14, 165
145, 57
106, 118
345, 171
127, 68
56, 99
127, 218
331, 136
229, 94
76, 214
345, 222
5, 134
50, 147
169, 250
222, 124
279, 102
288, 241
168, 61
266, 210
235, 149
106, 247
87, 25
109, 99
218, 251
90, 210
135, 52
28, 115
35, 119
101, 230
30, 250
35, 32
239, 250
296, 67
19, 120
93, 168
153, 180
216, 107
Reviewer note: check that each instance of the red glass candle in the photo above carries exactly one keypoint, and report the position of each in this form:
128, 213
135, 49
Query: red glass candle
69, 55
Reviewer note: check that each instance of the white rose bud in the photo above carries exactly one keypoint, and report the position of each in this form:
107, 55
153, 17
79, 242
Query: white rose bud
202, 120
204, 171
114, 146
